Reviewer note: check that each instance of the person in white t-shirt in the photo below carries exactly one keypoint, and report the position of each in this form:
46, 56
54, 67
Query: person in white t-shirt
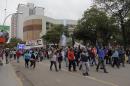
53, 61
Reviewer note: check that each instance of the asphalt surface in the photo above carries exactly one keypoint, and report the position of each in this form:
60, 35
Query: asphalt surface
41, 76
8, 76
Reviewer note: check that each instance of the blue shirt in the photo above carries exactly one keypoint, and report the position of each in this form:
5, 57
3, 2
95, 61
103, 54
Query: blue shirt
101, 53
27, 56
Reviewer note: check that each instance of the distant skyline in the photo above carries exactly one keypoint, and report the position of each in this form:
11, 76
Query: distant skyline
59, 9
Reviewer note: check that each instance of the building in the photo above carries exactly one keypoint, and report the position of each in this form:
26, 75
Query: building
32, 23
13, 25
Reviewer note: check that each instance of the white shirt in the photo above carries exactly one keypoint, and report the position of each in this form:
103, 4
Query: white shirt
54, 58
63, 54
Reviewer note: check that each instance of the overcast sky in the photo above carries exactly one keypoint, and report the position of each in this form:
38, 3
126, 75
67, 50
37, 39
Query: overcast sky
61, 9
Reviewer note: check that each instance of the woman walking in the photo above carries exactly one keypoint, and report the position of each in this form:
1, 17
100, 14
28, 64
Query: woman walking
53, 61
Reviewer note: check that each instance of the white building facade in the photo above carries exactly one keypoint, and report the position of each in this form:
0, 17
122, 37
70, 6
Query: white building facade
32, 24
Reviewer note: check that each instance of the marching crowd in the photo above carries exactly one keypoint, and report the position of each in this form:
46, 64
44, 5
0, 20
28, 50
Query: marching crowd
74, 57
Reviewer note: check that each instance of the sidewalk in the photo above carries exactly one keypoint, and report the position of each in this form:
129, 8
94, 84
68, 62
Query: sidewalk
8, 76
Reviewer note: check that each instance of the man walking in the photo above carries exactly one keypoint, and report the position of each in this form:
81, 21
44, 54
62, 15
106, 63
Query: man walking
71, 59
115, 57
101, 55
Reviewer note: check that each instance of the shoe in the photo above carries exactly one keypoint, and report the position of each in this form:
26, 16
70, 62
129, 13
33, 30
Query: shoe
84, 74
101, 68
105, 72
69, 70
87, 74
74, 70
97, 70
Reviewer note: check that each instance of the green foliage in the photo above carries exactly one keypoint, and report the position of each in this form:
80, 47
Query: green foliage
95, 26
120, 9
14, 42
54, 34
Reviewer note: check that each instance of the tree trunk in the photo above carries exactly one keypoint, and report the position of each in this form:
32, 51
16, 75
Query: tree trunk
123, 33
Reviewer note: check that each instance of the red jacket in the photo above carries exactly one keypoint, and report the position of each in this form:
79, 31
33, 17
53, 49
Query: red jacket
70, 55
18, 54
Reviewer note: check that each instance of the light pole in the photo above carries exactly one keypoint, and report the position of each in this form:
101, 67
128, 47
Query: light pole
7, 18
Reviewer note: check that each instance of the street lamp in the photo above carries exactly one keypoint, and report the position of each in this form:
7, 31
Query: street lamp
7, 18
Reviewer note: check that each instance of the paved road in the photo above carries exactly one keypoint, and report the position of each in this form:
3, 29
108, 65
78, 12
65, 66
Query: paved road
8, 76
41, 76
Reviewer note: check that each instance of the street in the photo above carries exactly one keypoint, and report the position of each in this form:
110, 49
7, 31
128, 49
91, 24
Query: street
41, 76
8, 76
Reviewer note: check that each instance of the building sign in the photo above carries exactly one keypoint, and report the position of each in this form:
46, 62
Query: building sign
21, 46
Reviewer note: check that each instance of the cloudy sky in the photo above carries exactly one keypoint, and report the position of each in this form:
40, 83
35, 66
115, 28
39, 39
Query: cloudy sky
61, 9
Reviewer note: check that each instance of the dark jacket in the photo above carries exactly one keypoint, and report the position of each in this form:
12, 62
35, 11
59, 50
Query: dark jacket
33, 57
84, 58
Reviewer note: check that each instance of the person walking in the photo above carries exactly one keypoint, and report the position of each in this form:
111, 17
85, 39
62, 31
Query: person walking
6, 56
122, 56
115, 57
1, 56
18, 54
53, 61
71, 59
60, 58
85, 62
14, 54
66, 57
27, 59
109, 59
128, 55
11, 54
101, 55
33, 60
41, 55
93, 56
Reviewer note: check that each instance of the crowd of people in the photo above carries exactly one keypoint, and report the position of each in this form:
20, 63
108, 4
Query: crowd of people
78, 58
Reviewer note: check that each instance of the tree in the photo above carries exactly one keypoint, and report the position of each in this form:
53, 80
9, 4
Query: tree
119, 9
14, 41
127, 25
95, 26
54, 34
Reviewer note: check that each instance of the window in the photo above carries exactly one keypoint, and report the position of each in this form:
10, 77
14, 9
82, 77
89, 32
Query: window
32, 11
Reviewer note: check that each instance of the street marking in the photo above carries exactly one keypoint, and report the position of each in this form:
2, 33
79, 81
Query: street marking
92, 78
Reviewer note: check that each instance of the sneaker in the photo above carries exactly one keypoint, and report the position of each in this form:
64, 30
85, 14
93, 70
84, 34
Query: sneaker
74, 70
105, 72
